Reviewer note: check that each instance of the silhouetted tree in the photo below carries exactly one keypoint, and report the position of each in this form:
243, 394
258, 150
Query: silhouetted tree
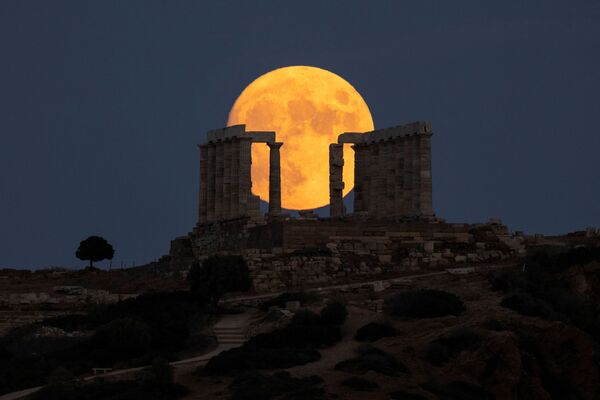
95, 248
218, 275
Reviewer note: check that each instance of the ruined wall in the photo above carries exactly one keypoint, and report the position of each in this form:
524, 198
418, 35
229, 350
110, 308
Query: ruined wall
392, 171
296, 252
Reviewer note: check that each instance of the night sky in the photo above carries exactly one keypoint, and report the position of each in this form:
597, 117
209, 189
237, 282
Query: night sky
102, 104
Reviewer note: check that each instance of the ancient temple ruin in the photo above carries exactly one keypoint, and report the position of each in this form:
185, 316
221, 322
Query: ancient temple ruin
225, 175
391, 229
392, 173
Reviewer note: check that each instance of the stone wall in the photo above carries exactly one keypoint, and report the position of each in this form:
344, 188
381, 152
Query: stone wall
290, 253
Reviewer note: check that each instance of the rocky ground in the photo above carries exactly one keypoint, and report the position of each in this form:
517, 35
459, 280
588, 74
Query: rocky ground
514, 356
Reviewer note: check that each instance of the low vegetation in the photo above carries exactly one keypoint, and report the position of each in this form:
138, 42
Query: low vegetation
374, 331
294, 344
425, 303
540, 289
156, 383
360, 384
128, 333
281, 385
404, 395
280, 301
217, 275
447, 347
458, 390
370, 358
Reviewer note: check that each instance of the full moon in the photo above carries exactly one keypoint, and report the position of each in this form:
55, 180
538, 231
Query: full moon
308, 108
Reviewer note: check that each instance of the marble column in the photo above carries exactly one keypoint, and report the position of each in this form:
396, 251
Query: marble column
336, 182
274, 178
226, 202
235, 179
416, 174
359, 178
219, 181
202, 208
210, 182
425, 189
408, 175
245, 175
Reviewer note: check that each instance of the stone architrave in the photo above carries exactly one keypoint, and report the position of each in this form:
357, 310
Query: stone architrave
274, 178
336, 182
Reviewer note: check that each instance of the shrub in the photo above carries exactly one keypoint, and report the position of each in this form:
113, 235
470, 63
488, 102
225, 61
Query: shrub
372, 359
159, 373
306, 329
254, 385
279, 301
360, 384
447, 347
425, 303
121, 390
525, 304
218, 275
293, 344
334, 313
374, 331
250, 357
494, 325
458, 390
402, 395
121, 339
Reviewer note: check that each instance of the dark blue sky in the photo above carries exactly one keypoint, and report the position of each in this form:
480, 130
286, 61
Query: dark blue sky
102, 104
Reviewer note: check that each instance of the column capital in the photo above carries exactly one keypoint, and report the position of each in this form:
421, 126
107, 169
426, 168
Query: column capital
274, 145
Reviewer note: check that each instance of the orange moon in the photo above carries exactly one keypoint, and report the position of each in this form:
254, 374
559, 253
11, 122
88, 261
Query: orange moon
308, 108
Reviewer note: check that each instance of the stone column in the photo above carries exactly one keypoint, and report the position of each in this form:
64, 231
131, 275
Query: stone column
376, 198
226, 203
219, 181
245, 174
336, 182
203, 183
210, 182
416, 174
408, 175
274, 178
235, 178
359, 178
425, 187
399, 184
